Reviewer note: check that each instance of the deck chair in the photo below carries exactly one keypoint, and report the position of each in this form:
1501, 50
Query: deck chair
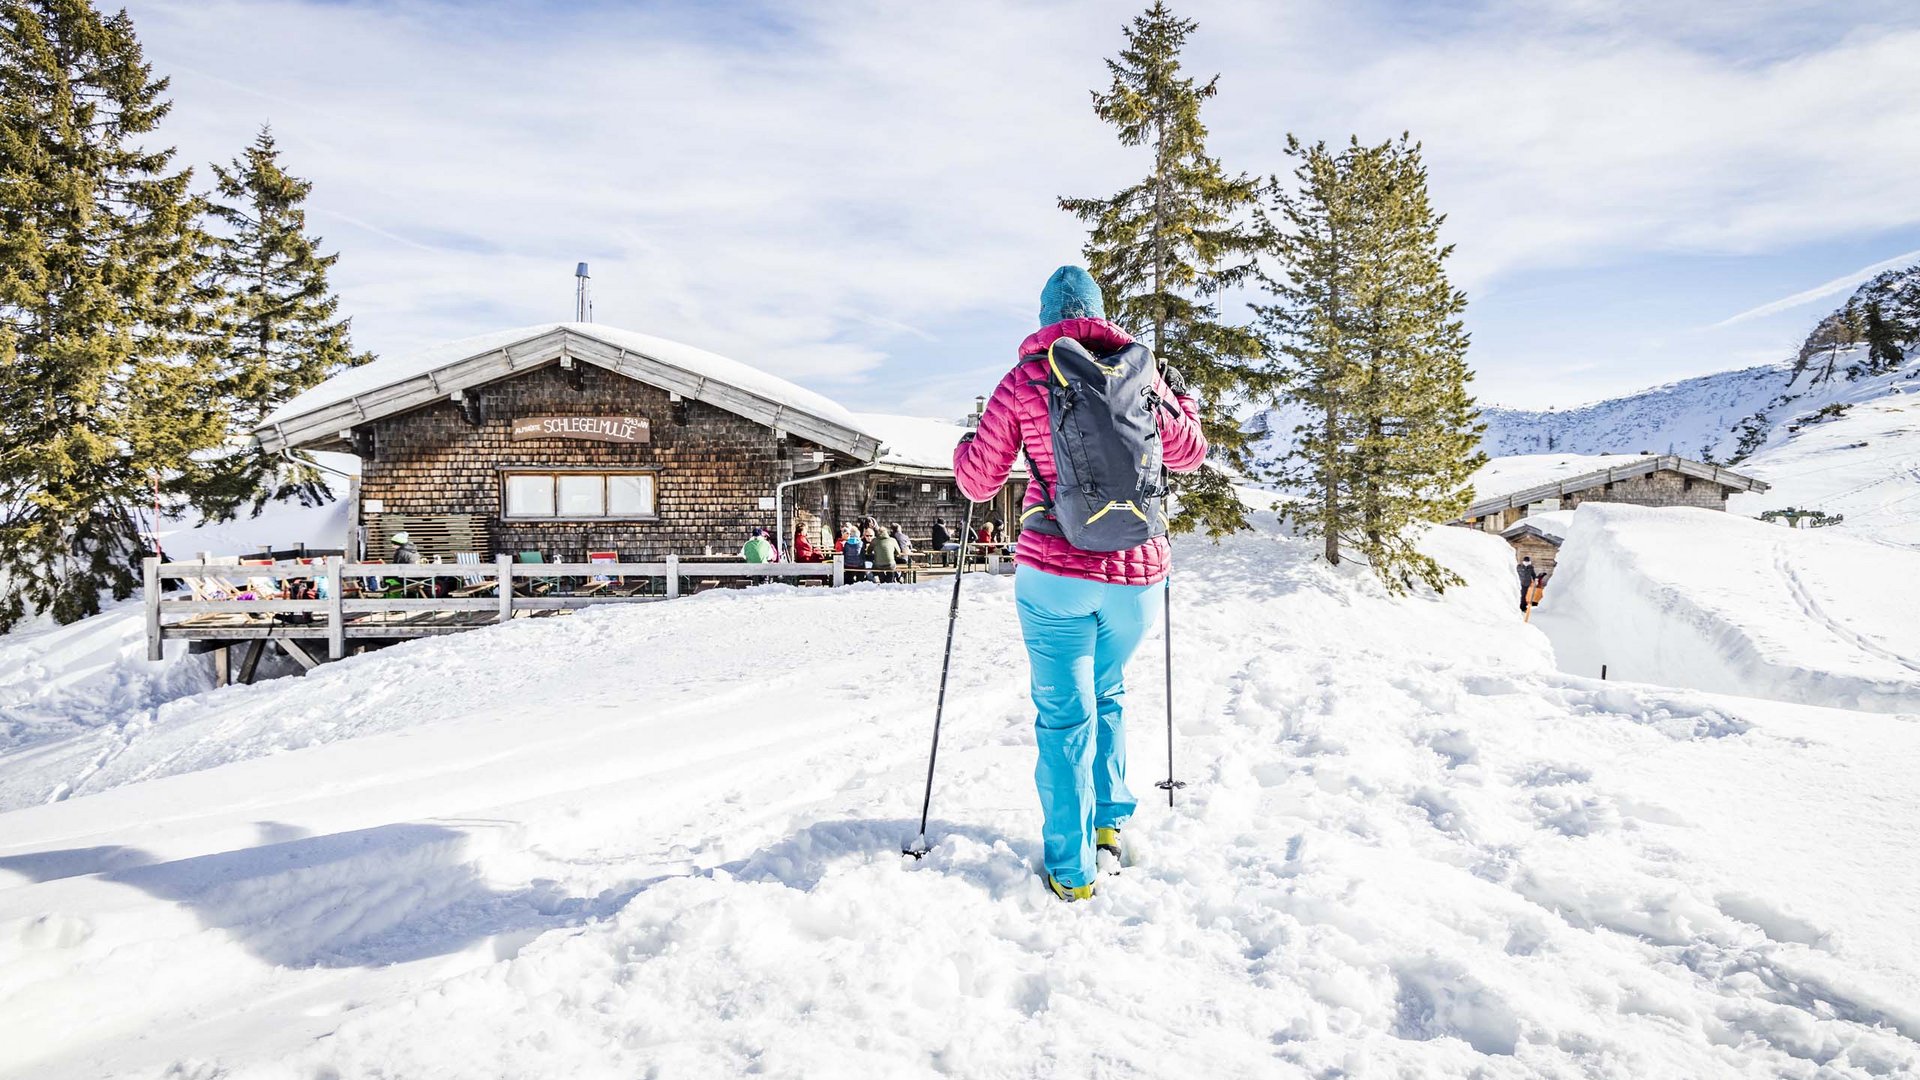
215, 588
536, 586
615, 586
472, 582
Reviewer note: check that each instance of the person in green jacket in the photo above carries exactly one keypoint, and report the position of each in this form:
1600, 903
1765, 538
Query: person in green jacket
886, 554
757, 548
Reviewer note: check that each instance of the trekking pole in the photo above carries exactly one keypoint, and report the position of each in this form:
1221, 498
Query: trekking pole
917, 847
1166, 608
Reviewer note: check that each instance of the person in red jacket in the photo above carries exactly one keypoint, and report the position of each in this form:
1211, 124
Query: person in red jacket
803, 549
1082, 613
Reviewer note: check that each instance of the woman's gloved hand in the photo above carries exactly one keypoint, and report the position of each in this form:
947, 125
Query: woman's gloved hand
1175, 381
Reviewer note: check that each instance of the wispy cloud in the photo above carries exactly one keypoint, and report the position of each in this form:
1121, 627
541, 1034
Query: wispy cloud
812, 188
1823, 290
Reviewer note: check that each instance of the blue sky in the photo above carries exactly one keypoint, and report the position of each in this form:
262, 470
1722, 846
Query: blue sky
859, 195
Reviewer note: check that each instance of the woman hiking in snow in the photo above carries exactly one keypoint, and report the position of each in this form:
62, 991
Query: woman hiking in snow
1082, 612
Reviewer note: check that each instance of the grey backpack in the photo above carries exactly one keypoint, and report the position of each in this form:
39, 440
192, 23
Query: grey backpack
1106, 449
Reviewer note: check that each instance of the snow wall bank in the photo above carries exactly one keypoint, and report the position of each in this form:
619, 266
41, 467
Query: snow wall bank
1709, 600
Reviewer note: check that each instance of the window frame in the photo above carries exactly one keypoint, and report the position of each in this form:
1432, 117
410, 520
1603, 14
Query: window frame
506, 472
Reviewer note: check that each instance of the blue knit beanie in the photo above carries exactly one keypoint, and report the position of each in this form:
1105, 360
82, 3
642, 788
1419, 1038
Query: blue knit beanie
1070, 294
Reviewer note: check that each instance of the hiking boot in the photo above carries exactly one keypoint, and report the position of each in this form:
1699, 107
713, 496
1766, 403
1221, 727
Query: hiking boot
1106, 850
1070, 893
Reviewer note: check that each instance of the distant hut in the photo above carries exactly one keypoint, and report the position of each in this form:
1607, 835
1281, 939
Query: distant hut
1525, 498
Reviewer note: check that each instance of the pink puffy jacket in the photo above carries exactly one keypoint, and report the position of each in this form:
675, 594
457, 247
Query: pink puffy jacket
1016, 417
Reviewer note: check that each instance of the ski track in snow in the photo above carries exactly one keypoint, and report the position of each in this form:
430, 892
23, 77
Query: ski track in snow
1409, 847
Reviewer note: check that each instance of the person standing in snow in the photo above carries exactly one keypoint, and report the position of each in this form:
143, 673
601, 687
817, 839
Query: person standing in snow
1525, 570
1082, 613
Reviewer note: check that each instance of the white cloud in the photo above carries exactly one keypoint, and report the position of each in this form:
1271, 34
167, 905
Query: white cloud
1823, 290
815, 195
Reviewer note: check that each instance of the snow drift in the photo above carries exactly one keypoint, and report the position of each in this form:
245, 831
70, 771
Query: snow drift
1698, 598
664, 841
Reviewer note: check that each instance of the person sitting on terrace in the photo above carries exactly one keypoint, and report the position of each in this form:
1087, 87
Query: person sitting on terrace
403, 549
942, 539
899, 534
803, 549
757, 549
886, 554
850, 546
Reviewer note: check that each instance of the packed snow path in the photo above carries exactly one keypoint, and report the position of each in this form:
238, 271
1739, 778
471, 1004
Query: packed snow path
665, 842
1687, 597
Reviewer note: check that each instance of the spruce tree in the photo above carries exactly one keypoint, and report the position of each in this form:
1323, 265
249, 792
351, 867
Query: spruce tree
1163, 250
105, 385
1370, 343
279, 329
1883, 349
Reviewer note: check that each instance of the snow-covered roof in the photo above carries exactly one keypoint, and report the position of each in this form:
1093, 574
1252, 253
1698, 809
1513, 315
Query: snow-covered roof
1522, 471
1531, 478
917, 442
396, 384
1552, 524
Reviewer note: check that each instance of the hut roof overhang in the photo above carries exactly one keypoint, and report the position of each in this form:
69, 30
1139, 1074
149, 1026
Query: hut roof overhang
1644, 466
392, 385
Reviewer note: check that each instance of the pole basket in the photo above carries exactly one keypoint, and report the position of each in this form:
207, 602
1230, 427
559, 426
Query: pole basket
916, 847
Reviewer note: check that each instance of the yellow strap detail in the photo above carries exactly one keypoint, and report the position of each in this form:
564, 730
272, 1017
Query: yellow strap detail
1117, 505
1032, 510
1054, 366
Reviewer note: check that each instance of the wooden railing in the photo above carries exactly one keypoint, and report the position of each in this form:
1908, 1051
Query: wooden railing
333, 575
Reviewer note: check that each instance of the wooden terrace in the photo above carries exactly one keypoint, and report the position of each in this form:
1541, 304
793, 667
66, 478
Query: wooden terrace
324, 609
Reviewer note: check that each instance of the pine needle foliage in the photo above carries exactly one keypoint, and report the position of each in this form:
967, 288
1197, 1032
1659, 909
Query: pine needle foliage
106, 385
1368, 340
280, 328
1165, 248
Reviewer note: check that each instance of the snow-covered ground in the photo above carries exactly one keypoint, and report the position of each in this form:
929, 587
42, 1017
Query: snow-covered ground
664, 841
1698, 598
1863, 465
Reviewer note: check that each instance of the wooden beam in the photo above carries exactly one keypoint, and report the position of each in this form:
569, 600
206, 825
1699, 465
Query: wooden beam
293, 648
336, 609
150, 568
503, 569
252, 661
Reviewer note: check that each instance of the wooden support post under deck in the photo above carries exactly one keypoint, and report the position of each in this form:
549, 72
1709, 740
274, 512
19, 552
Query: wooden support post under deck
254, 649
503, 565
223, 666
336, 610
839, 569
151, 569
673, 575
301, 656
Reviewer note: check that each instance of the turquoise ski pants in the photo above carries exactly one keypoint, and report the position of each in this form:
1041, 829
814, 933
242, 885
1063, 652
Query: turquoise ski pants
1080, 635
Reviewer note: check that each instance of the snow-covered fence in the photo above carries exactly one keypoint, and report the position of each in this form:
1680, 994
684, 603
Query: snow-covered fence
220, 609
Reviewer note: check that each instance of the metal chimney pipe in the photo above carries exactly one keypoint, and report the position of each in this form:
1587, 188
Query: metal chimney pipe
582, 301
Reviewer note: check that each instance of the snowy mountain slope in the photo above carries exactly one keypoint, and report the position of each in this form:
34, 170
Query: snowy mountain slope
1688, 597
1863, 465
664, 841
1691, 417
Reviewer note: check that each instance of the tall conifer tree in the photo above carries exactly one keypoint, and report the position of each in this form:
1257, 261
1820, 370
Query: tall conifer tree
1371, 345
106, 388
1163, 250
280, 330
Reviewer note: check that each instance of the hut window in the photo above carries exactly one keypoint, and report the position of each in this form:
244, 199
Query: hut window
581, 494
